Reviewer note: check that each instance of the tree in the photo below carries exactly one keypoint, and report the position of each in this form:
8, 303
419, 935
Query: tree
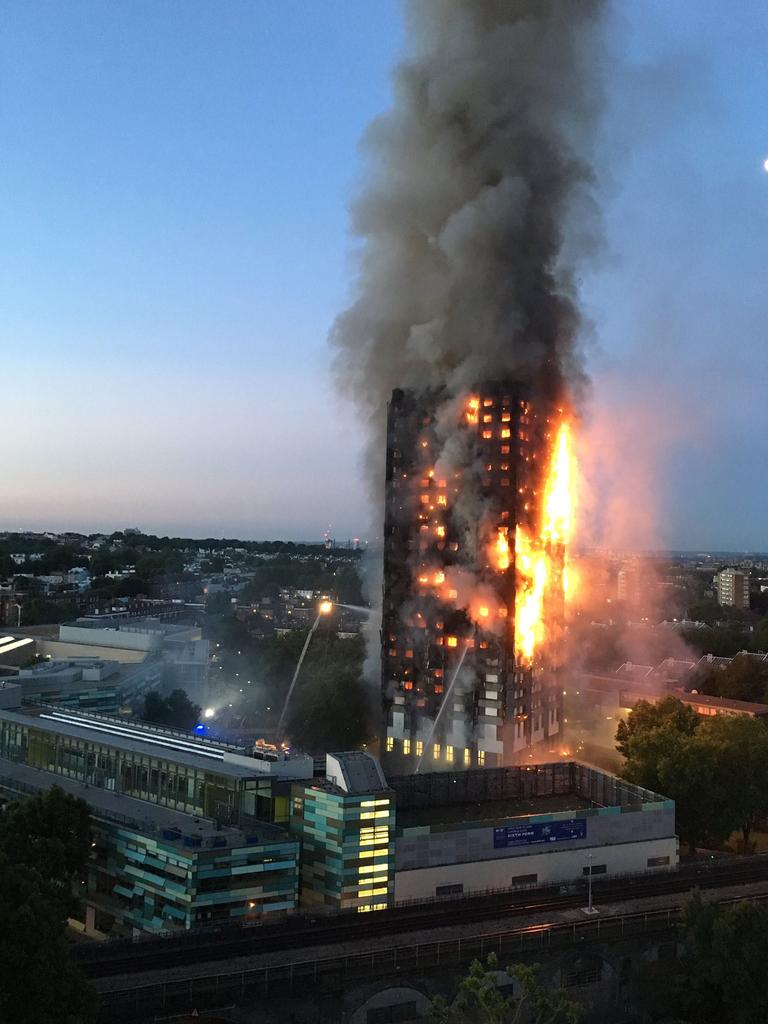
691, 772
480, 1001
331, 710
745, 678
721, 975
667, 752
646, 716
49, 833
44, 844
176, 711
741, 749
760, 635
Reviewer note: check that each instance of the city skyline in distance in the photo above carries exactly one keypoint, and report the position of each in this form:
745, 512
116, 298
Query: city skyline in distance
172, 268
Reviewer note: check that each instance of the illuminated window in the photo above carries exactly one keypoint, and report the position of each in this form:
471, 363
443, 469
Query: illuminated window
406, 746
374, 803
390, 743
442, 500
372, 892
505, 417
488, 418
504, 449
409, 653
408, 684
487, 402
370, 869
436, 751
487, 434
506, 432
481, 757
449, 753
367, 815
424, 499
440, 531
367, 854
419, 748
467, 756
452, 641
438, 688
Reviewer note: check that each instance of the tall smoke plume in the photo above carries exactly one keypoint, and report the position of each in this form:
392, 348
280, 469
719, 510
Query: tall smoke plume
477, 211
475, 217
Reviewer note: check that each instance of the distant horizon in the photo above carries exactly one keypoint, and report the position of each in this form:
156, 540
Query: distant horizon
365, 544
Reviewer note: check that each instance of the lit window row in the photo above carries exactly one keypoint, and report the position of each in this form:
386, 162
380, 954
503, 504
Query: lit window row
437, 751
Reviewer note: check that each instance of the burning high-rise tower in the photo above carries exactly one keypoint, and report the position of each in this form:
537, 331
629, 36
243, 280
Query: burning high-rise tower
478, 510
477, 217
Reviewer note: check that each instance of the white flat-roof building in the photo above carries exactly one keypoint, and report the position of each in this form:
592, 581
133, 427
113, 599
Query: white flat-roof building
462, 832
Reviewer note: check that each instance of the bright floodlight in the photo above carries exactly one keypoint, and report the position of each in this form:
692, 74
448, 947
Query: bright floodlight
765, 164
209, 712
325, 607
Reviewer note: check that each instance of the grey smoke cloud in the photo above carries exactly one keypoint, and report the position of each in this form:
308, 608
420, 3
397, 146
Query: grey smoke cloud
477, 179
475, 218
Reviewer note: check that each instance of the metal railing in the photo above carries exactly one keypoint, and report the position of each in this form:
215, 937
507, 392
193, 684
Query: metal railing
338, 972
379, 963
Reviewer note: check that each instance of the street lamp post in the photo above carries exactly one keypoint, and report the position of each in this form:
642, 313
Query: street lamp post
590, 909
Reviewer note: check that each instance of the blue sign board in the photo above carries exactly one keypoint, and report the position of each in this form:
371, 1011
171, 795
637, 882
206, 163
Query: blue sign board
540, 832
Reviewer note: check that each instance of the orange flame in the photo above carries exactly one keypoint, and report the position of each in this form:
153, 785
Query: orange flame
558, 491
541, 560
502, 548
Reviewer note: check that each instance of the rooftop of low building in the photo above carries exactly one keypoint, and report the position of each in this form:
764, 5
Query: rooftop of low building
491, 811
498, 794
156, 741
187, 830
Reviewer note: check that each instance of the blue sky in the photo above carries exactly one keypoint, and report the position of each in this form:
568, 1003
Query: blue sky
173, 190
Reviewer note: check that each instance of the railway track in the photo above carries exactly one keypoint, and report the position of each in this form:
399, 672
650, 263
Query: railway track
117, 958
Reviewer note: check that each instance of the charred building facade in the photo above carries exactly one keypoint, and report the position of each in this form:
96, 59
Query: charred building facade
463, 485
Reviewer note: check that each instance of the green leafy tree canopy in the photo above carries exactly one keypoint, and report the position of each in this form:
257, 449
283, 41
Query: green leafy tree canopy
480, 1000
